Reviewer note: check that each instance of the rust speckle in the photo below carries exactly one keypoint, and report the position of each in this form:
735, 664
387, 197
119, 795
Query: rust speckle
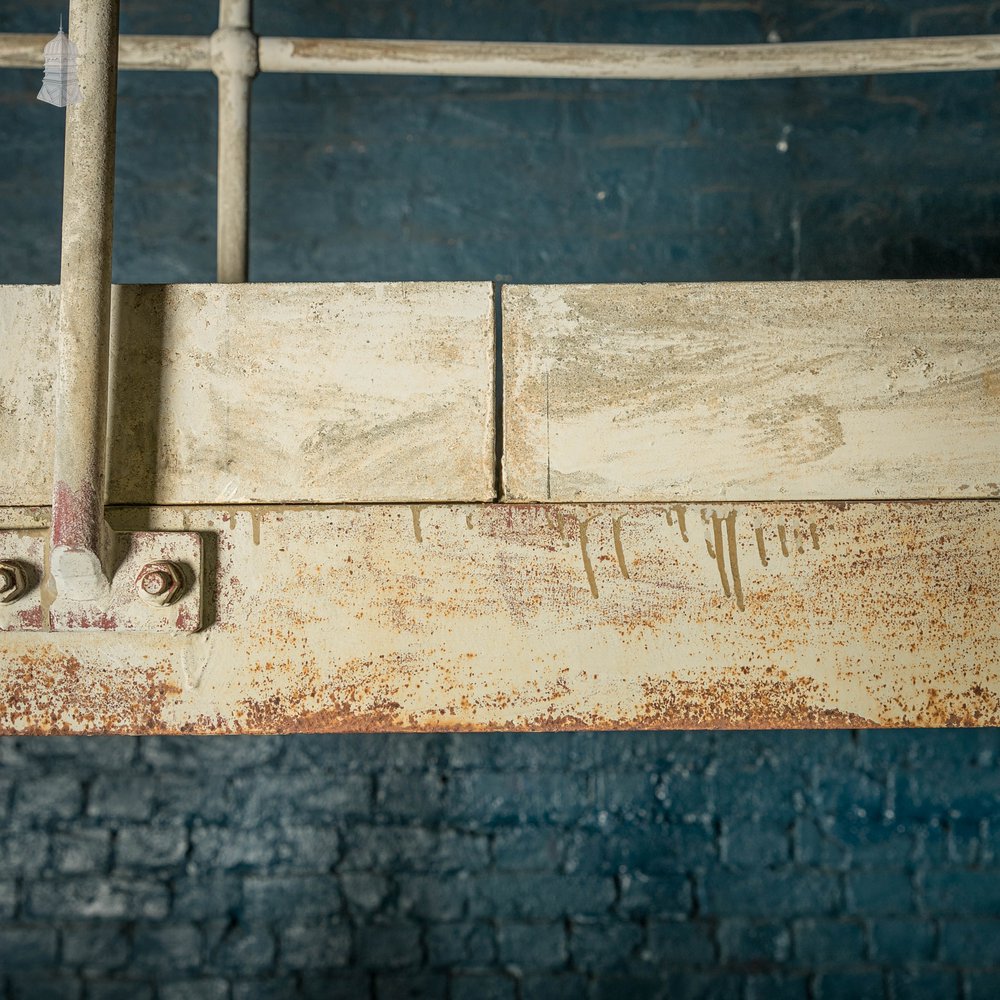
50, 692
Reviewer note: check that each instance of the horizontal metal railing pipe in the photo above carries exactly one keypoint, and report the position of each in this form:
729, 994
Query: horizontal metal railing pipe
629, 62
554, 61
161, 52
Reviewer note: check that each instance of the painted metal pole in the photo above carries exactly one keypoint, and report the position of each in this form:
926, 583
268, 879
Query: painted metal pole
234, 62
80, 539
629, 62
526, 60
168, 52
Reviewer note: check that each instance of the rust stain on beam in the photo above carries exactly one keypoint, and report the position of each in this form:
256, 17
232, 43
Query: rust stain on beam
339, 619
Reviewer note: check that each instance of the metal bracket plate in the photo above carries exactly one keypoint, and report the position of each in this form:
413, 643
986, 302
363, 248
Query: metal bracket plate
125, 608
26, 549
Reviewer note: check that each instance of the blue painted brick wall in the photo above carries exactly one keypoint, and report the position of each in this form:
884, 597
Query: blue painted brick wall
745, 866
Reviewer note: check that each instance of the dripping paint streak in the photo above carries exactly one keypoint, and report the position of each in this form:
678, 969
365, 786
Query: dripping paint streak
813, 535
616, 531
417, 533
680, 521
734, 563
548, 444
781, 538
255, 526
586, 557
759, 532
720, 555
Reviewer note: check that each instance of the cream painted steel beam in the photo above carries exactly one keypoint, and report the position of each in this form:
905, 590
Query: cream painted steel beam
234, 62
80, 538
579, 61
543, 616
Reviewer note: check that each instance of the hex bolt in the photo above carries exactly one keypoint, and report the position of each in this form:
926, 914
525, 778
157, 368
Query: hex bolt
160, 583
13, 582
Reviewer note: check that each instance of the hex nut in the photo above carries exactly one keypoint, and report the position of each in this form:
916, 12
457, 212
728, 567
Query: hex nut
159, 584
13, 582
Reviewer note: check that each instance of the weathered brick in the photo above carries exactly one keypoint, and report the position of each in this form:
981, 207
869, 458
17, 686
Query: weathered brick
429, 897
490, 797
169, 949
412, 849
527, 849
310, 798
981, 985
28, 947
746, 941
755, 843
95, 897
364, 893
600, 946
828, 942
410, 986
970, 941
277, 988
121, 797
680, 942
973, 892
118, 989
390, 946
658, 896
96, 946
777, 986
217, 894
925, 983
81, 851
37, 985
539, 897
23, 855
461, 945
532, 946
319, 945
46, 798
287, 897
483, 987
243, 950
851, 985
203, 988
151, 847
785, 892
902, 941
553, 986
8, 898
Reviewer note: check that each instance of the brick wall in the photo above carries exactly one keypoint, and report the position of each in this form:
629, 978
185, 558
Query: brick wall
729, 865
744, 866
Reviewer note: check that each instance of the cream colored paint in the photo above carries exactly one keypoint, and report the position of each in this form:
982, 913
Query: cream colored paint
547, 616
767, 391
283, 393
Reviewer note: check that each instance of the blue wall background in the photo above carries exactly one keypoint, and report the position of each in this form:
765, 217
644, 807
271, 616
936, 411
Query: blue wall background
743, 866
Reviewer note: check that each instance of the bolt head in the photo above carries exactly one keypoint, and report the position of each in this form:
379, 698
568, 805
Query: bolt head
13, 582
160, 584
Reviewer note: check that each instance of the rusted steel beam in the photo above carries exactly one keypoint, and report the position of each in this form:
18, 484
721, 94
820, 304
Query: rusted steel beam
548, 616
234, 62
80, 543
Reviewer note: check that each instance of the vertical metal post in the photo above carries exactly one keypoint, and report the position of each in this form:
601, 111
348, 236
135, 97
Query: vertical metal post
80, 539
235, 63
